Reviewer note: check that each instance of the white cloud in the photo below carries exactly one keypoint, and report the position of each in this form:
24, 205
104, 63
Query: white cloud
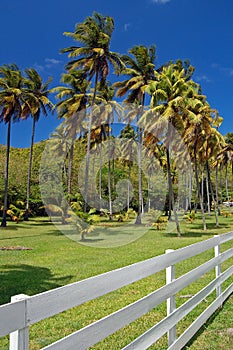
160, 1
126, 27
225, 70
203, 78
48, 63
52, 61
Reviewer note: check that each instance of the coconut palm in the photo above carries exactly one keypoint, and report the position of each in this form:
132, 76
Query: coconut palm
140, 72
165, 116
128, 133
72, 106
94, 56
198, 128
105, 111
12, 96
38, 103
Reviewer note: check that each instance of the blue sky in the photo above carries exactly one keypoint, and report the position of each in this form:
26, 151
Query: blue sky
31, 35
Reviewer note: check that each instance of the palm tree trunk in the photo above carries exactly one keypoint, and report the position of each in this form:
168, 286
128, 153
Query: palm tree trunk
171, 194
226, 185
202, 184
128, 187
216, 189
140, 197
89, 144
139, 219
26, 215
109, 173
149, 197
69, 175
100, 177
221, 186
212, 194
6, 175
198, 188
208, 184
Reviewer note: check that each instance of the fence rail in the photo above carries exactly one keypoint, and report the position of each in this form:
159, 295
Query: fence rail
23, 311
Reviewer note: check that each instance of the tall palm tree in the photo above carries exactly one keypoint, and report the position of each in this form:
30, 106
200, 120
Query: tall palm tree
37, 103
93, 56
129, 134
167, 95
72, 106
12, 95
197, 128
140, 72
105, 111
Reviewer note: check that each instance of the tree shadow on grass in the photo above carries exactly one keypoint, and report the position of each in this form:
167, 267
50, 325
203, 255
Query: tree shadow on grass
27, 279
51, 233
196, 230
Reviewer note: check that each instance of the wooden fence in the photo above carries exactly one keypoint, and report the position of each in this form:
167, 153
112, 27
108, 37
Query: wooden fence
23, 311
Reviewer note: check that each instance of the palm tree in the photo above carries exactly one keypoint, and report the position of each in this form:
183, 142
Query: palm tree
37, 103
140, 72
94, 57
72, 106
104, 112
167, 95
197, 129
129, 134
12, 95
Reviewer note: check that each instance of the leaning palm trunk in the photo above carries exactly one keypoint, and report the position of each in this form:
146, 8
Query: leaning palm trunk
26, 215
6, 175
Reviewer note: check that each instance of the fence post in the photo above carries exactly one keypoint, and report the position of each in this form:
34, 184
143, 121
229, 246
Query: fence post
171, 302
19, 340
217, 252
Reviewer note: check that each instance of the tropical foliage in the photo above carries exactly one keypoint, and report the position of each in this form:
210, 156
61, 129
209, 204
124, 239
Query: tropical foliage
166, 122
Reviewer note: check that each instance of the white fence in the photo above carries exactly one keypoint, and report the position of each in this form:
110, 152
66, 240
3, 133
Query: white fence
23, 311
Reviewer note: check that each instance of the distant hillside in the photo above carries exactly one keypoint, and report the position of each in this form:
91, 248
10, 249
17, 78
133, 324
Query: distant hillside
18, 168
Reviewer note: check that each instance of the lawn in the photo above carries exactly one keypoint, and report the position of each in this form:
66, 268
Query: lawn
54, 260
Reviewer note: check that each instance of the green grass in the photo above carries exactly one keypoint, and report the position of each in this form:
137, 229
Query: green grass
55, 260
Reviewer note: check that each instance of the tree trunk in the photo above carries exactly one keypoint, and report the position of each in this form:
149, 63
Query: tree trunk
89, 145
171, 194
100, 177
109, 174
128, 188
70, 166
216, 189
212, 194
26, 215
208, 184
149, 197
226, 185
140, 198
6, 175
198, 188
